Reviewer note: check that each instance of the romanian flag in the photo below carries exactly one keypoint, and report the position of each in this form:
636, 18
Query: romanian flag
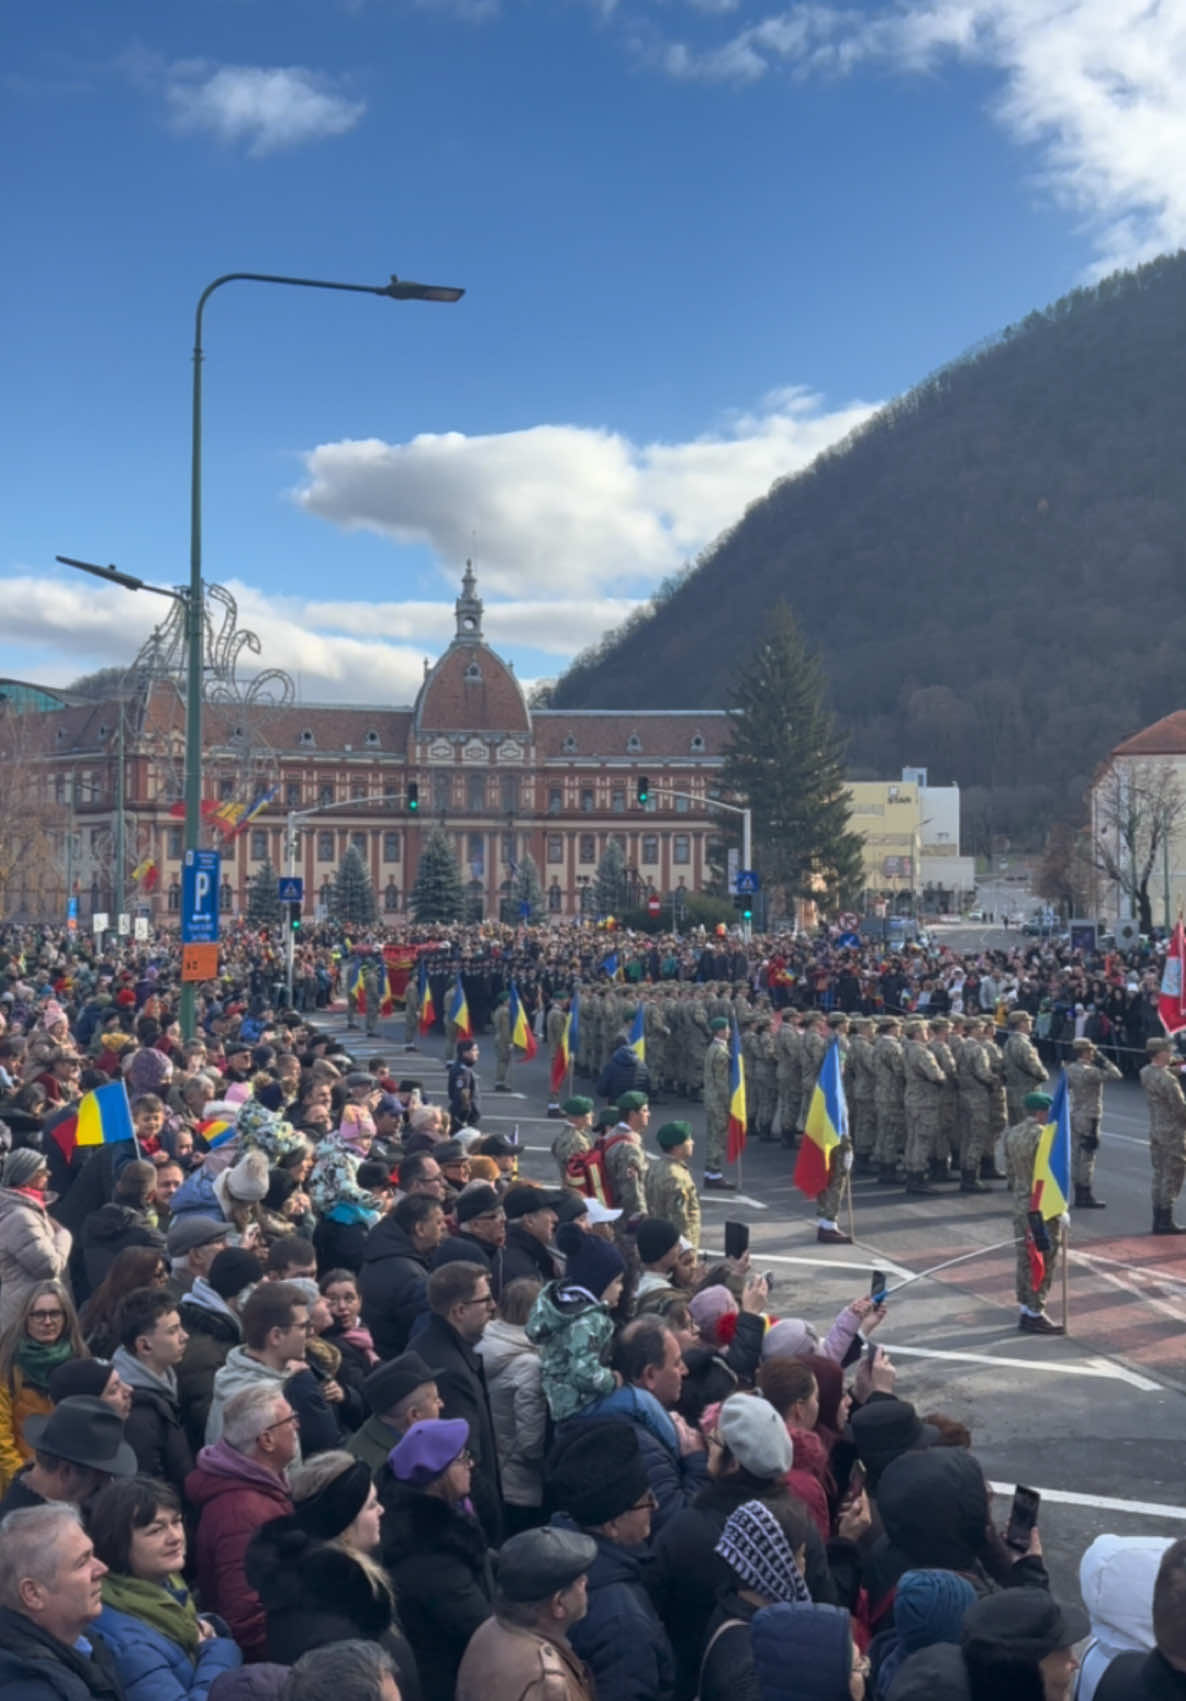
386, 996
257, 807
1171, 1003
562, 1061
101, 1118
637, 1037
738, 1117
459, 1012
521, 1034
611, 966
216, 1132
827, 1125
147, 871
428, 1010
1052, 1161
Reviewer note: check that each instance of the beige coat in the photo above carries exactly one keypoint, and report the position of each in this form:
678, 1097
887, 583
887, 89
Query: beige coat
33, 1248
505, 1663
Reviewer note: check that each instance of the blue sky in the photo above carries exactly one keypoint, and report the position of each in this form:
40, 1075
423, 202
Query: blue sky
700, 240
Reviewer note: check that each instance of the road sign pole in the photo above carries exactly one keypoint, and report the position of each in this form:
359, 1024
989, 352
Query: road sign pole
289, 868
747, 852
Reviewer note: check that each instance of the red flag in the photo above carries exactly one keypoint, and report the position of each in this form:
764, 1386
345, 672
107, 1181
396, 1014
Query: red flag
1171, 1005
1037, 1262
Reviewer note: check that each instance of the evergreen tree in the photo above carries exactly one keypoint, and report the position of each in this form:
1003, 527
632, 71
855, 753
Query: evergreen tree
437, 893
610, 886
526, 889
263, 903
786, 759
353, 896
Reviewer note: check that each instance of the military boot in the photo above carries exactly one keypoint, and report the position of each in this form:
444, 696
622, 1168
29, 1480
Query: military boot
1163, 1222
989, 1170
970, 1182
887, 1174
916, 1182
1085, 1199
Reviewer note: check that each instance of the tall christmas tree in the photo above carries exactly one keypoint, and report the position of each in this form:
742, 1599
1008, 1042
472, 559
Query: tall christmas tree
437, 893
353, 896
527, 894
263, 901
786, 759
610, 885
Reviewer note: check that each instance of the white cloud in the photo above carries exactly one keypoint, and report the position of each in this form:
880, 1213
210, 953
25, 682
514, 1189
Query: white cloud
259, 107
566, 508
1095, 85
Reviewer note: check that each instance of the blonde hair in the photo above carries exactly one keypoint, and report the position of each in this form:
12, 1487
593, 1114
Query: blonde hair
309, 1478
11, 1340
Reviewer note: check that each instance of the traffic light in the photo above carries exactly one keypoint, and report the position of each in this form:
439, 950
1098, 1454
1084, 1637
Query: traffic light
644, 791
413, 797
294, 916
743, 902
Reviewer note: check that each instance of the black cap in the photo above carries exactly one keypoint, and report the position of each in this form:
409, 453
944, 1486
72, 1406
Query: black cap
884, 1428
475, 1200
522, 1199
598, 1474
537, 1564
83, 1430
393, 1381
655, 1238
233, 1269
1028, 1623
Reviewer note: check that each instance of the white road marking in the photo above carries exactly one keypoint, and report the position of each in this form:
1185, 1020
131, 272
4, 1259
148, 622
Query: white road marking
757, 1256
1101, 1368
1151, 1300
1099, 1502
715, 1198
1152, 1275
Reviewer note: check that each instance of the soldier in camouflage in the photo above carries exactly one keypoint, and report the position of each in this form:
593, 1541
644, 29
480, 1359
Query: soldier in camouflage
923, 1087
1024, 1070
977, 1087
1085, 1083
657, 1036
764, 1077
626, 1160
860, 1084
502, 1044
1021, 1147
998, 1106
411, 1011
947, 1150
788, 1057
813, 1048
670, 1185
716, 1104
827, 1204
1167, 1132
554, 1033
890, 1068
576, 1136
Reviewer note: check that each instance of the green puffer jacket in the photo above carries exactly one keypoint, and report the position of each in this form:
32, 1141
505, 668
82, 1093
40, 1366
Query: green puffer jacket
573, 1334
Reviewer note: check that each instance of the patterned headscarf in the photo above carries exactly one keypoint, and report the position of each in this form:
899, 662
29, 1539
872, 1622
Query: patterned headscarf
754, 1546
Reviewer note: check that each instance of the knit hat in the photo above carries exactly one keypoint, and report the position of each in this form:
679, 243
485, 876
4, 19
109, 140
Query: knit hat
428, 1448
336, 1504
192, 1231
22, 1165
233, 1269
654, 1239
578, 1105
708, 1307
790, 1337
1037, 1101
147, 1071
673, 1134
249, 1179
476, 1200
632, 1101
929, 1607
593, 1265
78, 1376
754, 1545
598, 1474
393, 1381
755, 1435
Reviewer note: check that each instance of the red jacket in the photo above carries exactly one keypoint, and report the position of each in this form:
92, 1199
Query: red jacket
234, 1496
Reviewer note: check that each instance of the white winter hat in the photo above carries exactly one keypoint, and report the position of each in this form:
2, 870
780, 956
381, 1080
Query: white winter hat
247, 1181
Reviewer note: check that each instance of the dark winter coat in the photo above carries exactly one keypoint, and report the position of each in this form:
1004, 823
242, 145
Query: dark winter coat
621, 1637
1141, 1677
211, 1337
106, 1232
675, 1478
314, 1593
687, 1573
460, 1377
392, 1280
727, 1667
468, 1249
437, 1559
339, 1246
624, 1073
35, 1666
524, 1256
154, 1431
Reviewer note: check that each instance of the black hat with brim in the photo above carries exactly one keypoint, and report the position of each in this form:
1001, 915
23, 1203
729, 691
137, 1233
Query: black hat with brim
83, 1430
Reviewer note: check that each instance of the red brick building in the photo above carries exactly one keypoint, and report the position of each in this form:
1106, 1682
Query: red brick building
502, 779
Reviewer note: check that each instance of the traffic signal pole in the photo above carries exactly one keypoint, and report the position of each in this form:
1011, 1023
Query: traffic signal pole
747, 830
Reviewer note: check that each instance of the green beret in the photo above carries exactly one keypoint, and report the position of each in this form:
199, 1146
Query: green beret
718, 1024
577, 1106
673, 1134
1038, 1101
632, 1101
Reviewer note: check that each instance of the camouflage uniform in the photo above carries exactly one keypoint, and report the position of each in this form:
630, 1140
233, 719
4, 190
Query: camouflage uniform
1167, 1140
697, 1041
568, 1143
1024, 1071
1085, 1083
998, 1111
788, 1058
977, 1086
411, 1011
923, 1087
890, 1068
554, 1033
813, 1048
827, 1203
716, 1103
947, 1150
626, 1166
1021, 1147
861, 1086
502, 1044
765, 1079
671, 1194
369, 981
657, 1034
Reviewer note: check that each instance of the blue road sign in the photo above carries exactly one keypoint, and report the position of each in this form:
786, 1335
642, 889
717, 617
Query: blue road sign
290, 889
199, 897
747, 882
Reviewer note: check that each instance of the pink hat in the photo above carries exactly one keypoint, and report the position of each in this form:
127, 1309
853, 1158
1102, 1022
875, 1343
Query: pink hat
708, 1307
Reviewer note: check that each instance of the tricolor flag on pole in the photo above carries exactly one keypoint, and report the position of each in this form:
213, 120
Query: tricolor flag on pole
826, 1126
1052, 1160
102, 1117
459, 1011
428, 1011
738, 1118
637, 1037
565, 1051
521, 1034
1171, 1005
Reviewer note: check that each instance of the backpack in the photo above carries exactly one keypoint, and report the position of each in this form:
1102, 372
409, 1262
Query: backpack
588, 1172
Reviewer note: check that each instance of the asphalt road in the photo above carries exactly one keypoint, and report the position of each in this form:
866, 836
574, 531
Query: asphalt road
1094, 1421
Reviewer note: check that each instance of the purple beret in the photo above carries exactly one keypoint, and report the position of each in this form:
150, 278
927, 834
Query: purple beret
427, 1449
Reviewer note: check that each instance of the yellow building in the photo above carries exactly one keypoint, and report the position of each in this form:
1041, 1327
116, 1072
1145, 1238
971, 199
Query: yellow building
887, 814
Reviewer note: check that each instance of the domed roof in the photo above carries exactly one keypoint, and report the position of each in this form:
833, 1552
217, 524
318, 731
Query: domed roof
471, 689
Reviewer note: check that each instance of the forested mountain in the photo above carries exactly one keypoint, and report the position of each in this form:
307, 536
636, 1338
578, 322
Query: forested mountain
993, 568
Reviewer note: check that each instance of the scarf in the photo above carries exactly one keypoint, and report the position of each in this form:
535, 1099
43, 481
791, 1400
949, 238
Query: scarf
167, 1608
360, 1337
36, 1359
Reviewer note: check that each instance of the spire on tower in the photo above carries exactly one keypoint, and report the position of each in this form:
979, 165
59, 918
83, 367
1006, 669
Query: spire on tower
468, 608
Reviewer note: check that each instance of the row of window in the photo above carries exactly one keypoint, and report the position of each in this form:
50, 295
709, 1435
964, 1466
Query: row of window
478, 794
681, 847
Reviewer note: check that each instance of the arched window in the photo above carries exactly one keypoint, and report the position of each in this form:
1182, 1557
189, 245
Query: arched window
570, 745
307, 736
697, 745
634, 744
372, 737
473, 674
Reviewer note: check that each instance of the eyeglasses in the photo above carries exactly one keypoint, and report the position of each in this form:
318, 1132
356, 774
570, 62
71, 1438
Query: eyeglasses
46, 1316
485, 1299
465, 1457
648, 1503
281, 1423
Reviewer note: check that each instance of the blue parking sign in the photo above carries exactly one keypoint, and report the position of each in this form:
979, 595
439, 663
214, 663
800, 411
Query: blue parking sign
200, 880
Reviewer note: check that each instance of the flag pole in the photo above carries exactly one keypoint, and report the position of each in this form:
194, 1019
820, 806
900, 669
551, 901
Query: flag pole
852, 1231
1066, 1308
